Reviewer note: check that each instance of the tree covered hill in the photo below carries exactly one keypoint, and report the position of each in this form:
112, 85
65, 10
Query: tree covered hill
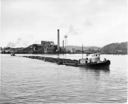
115, 48
84, 47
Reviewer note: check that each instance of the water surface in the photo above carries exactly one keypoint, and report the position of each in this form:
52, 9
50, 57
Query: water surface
28, 81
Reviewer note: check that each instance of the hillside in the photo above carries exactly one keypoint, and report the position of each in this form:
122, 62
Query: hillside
80, 48
115, 48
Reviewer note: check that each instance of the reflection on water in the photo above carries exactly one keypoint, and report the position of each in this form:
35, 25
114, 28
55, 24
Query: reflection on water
105, 69
95, 72
27, 81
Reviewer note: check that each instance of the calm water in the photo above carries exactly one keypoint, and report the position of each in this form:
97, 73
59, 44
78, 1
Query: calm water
30, 81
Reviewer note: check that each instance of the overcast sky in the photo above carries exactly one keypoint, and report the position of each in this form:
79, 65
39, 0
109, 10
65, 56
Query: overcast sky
87, 22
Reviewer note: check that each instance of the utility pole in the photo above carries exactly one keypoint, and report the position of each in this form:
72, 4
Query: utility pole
82, 51
63, 46
63, 50
65, 42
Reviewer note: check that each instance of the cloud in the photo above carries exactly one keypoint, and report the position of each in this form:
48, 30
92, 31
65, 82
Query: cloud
11, 44
72, 30
41, 18
88, 23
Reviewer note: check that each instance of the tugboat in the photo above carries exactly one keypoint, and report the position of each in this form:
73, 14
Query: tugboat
93, 60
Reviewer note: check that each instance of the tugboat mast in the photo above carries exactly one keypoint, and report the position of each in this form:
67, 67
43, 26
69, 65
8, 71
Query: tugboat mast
82, 51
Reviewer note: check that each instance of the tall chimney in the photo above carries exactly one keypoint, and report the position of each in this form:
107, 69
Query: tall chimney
58, 40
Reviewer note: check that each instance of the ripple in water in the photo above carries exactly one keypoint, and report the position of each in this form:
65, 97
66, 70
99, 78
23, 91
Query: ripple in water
28, 81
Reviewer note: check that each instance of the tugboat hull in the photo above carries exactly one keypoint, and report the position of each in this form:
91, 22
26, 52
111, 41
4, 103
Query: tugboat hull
103, 64
100, 65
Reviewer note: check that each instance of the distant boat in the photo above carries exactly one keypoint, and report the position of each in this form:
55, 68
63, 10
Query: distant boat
13, 54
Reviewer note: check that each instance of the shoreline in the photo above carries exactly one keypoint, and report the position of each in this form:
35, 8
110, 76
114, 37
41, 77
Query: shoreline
62, 54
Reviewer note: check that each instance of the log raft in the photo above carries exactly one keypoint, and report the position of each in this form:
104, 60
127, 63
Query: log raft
59, 61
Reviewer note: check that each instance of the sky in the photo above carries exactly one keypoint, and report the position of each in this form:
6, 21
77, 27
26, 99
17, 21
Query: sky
87, 22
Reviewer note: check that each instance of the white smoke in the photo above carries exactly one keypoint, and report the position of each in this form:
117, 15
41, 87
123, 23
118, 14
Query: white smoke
18, 43
72, 30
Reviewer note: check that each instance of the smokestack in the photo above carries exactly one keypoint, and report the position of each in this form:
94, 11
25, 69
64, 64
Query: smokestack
58, 39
